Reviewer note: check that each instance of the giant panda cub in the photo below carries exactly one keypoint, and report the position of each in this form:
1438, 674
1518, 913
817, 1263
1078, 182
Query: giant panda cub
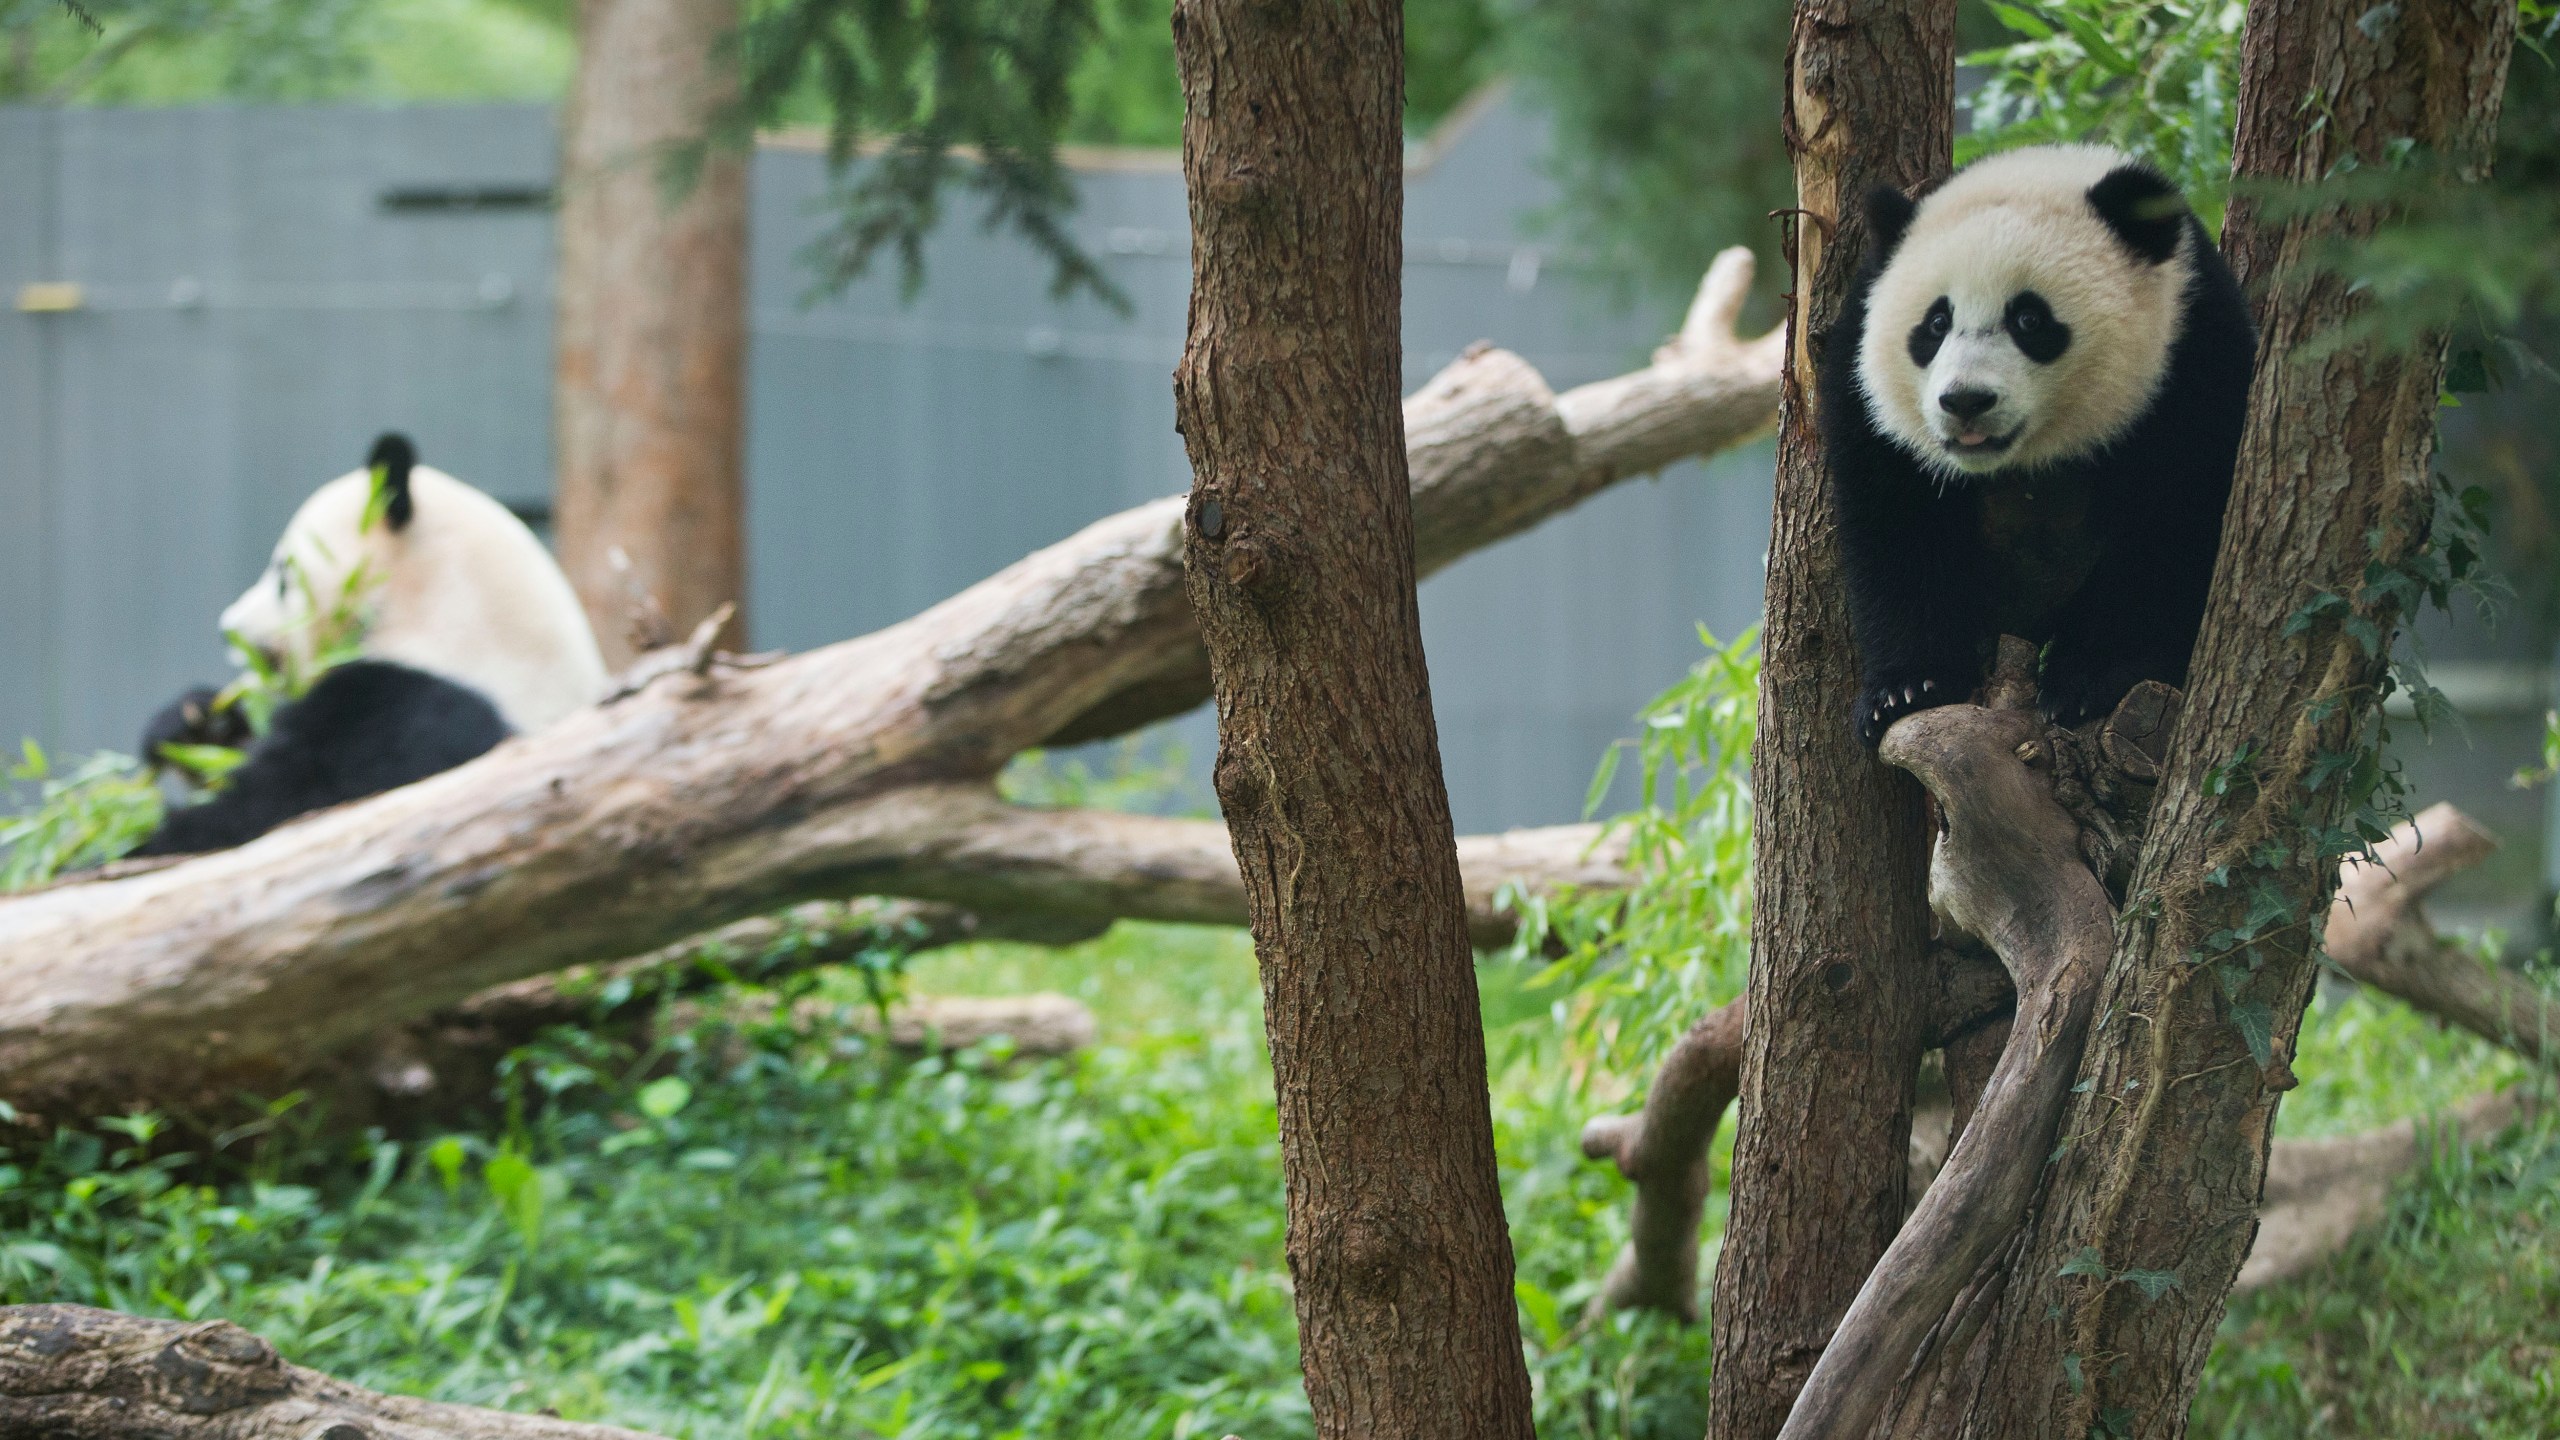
2032, 406
470, 633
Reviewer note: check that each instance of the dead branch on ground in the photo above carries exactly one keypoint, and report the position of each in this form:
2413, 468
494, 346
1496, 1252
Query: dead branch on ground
68, 1372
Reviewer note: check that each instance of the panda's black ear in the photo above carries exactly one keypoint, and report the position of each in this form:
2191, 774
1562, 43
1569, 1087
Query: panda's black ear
1889, 213
391, 460
2143, 208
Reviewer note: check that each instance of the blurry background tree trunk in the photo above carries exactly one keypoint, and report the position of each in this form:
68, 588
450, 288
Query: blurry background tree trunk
1300, 566
1839, 972
649, 392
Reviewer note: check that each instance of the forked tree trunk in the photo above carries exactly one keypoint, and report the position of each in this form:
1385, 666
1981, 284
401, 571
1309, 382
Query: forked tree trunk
1839, 974
1299, 547
649, 385
2114, 1296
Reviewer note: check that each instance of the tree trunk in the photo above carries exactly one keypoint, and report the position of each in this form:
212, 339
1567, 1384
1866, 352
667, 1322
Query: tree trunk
709, 797
1299, 547
2115, 1297
1841, 919
649, 388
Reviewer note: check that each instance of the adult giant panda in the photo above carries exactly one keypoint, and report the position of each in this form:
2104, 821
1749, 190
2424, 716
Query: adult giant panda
469, 632
2032, 406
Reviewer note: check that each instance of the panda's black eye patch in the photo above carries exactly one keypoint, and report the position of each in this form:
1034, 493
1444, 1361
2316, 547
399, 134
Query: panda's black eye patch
1932, 331
2031, 324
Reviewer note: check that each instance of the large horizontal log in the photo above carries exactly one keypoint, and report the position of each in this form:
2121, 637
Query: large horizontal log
714, 796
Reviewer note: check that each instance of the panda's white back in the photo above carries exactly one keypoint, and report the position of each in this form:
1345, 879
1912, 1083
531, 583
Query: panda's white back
463, 591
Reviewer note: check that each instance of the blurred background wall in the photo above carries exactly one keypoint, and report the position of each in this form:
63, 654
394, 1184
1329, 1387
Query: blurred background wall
212, 310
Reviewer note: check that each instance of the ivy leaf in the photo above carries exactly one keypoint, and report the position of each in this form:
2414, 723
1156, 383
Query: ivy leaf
2325, 603
2267, 906
2257, 1027
2071, 1372
2086, 1262
2152, 1283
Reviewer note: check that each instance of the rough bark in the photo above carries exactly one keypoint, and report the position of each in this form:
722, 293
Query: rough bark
649, 384
713, 797
68, 1372
1300, 548
1841, 924
2152, 1207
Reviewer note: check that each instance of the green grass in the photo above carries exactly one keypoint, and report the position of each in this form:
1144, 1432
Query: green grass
770, 1231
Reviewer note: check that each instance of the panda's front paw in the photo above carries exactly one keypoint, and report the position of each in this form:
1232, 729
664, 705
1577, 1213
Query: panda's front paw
1885, 699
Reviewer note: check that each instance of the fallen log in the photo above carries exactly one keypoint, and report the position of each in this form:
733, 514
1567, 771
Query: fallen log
861, 768
2321, 1192
68, 1372
2379, 934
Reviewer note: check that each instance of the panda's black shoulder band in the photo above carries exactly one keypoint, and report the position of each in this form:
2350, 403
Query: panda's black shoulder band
2144, 210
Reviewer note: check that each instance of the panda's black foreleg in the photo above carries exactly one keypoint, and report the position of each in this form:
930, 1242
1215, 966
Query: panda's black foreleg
1915, 586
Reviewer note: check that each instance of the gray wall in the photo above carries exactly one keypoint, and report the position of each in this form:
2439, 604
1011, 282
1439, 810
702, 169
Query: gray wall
253, 313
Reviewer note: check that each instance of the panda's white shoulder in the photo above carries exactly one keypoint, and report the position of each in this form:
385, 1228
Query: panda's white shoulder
472, 594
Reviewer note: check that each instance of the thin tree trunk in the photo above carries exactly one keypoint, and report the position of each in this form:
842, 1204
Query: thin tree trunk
649, 388
1299, 546
1839, 978
2113, 1304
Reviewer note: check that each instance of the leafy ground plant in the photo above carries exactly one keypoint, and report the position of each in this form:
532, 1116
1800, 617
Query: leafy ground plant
66, 819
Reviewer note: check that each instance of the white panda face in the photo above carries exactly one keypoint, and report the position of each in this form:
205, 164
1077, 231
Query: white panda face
2014, 327
317, 592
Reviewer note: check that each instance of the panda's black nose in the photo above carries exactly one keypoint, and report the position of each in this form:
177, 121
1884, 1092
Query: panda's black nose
1965, 403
